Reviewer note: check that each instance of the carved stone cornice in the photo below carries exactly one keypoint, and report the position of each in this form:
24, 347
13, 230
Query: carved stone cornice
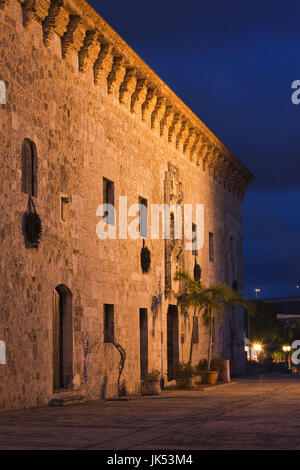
103, 65
128, 87
74, 35
182, 134
188, 142
120, 72
89, 51
195, 146
148, 106
116, 76
174, 127
56, 21
158, 113
139, 96
35, 9
166, 121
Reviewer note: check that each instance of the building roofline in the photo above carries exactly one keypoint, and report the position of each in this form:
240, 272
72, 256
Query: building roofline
83, 29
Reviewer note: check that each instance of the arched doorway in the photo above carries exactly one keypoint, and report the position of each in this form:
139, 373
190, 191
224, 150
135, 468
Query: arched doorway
62, 338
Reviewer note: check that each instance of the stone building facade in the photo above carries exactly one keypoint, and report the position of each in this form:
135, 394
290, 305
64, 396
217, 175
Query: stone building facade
85, 117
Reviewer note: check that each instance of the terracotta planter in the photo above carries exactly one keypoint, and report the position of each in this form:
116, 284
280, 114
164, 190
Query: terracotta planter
186, 382
209, 377
150, 388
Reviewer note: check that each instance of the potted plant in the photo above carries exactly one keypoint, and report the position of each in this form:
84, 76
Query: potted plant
185, 375
150, 384
210, 301
208, 376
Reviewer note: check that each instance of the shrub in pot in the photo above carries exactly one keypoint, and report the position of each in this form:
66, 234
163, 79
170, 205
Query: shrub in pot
185, 375
208, 375
151, 383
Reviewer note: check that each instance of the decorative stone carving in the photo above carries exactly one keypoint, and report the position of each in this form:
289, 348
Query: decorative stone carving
189, 141
174, 127
74, 36
89, 51
148, 106
139, 97
195, 146
56, 21
174, 257
103, 65
182, 134
128, 87
166, 121
116, 76
158, 113
35, 9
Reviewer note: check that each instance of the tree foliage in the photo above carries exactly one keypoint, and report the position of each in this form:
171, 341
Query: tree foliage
210, 302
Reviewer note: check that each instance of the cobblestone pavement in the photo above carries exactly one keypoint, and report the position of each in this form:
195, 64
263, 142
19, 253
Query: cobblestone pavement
257, 413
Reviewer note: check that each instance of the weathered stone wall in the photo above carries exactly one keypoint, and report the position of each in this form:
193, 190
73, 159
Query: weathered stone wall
85, 131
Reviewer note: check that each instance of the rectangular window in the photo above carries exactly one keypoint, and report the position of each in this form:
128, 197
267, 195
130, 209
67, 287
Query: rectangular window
108, 323
143, 217
143, 342
195, 251
109, 198
211, 247
196, 331
64, 201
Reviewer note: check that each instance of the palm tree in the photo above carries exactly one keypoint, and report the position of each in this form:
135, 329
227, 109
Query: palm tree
210, 301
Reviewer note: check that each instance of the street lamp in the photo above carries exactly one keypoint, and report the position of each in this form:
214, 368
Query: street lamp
257, 347
287, 350
257, 291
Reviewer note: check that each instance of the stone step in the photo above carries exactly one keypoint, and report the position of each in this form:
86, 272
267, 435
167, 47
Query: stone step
66, 400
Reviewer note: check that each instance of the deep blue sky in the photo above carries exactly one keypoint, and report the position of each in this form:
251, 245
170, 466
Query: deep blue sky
233, 64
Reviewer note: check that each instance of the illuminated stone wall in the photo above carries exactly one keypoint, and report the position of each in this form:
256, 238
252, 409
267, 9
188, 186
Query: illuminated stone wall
94, 109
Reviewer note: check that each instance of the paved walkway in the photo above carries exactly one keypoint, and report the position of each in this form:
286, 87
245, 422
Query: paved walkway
261, 413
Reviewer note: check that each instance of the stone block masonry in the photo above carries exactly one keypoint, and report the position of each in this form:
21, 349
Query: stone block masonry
91, 111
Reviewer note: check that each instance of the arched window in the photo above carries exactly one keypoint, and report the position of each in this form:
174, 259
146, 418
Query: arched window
29, 168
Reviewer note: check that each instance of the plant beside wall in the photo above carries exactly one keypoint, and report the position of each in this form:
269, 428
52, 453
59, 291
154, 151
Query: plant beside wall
151, 383
185, 375
211, 302
209, 376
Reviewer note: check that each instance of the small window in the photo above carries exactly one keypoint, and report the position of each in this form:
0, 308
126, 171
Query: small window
64, 201
196, 331
108, 323
211, 247
143, 217
29, 168
195, 251
109, 198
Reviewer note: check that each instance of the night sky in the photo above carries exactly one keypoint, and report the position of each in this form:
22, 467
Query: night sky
233, 64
